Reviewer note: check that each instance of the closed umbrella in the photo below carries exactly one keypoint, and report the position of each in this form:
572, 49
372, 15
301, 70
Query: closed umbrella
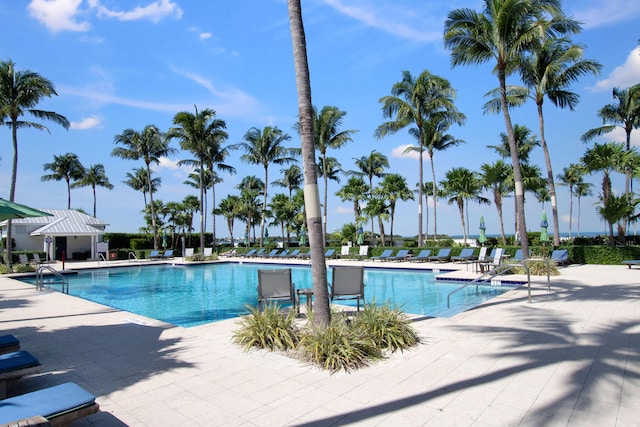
544, 234
164, 239
266, 236
360, 235
246, 239
303, 236
483, 237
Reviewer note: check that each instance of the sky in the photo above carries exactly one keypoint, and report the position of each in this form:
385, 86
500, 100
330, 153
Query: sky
120, 64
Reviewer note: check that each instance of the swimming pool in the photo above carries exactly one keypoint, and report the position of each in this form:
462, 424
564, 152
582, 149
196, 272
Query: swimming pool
197, 294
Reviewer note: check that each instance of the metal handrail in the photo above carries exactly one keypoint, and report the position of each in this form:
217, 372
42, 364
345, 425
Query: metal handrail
497, 271
131, 256
101, 255
40, 278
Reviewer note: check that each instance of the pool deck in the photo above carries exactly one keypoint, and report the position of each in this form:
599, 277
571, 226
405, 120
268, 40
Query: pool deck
569, 358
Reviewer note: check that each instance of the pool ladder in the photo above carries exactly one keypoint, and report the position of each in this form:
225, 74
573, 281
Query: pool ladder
497, 271
57, 275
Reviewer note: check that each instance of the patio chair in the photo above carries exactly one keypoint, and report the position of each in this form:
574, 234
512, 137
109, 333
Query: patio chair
14, 366
631, 262
517, 257
9, 344
383, 256
561, 257
155, 254
275, 285
22, 259
271, 254
422, 256
465, 255
294, 253
400, 256
188, 252
443, 255
494, 263
59, 405
283, 254
208, 253
249, 254
305, 255
363, 252
344, 251
36, 259
347, 284
330, 253
168, 254
259, 253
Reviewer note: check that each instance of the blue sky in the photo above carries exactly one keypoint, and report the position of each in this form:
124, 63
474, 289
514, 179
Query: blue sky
120, 64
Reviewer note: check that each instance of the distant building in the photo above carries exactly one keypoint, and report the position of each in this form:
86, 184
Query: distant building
74, 233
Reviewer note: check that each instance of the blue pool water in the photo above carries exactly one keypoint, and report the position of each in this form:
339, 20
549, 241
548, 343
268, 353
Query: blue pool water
198, 294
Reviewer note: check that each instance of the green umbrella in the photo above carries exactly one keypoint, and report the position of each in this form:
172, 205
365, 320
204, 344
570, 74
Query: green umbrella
10, 210
360, 235
303, 237
483, 237
164, 239
544, 234
246, 239
266, 236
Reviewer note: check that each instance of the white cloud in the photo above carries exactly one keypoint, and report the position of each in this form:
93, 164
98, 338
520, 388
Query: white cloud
343, 210
598, 13
153, 12
166, 163
394, 19
619, 135
58, 15
204, 36
624, 75
87, 123
400, 152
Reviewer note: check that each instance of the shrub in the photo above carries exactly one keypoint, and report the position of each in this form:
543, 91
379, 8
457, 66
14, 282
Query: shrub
272, 329
23, 268
337, 347
4, 269
538, 268
387, 326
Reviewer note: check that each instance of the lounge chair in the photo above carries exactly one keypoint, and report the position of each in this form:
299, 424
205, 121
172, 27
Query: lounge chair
59, 405
22, 259
14, 366
155, 254
305, 255
168, 254
188, 252
283, 254
36, 259
402, 255
348, 283
294, 253
363, 252
330, 253
259, 253
495, 262
422, 256
443, 255
561, 257
9, 344
631, 262
275, 285
249, 254
344, 251
517, 258
208, 253
466, 254
271, 254
383, 256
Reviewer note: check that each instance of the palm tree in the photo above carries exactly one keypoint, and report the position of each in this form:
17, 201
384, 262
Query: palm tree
148, 146
251, 187
605, 158
291, 179
371, 166
582, 189
190, 204
503, 32
94, 176
67, 168
264, 147
625, 114
494, 178
229, 208
378, 208
617, 209
138, 181
283, 214
355, 190
322, 314
461, 184
20, 93
196, 132
393, 188
327, 134
417, 101
330, 169
570, 177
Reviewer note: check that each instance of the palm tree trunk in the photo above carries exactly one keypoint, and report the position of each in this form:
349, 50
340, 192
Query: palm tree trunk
153, 209
264, 205
94, 201
213, 213
202, 214
570, 209
392, 206
435, 198
461, 210
68, 194
12, 191
324, 218
498, 202
517, 173
372, 229
322, 314
550, 180
420, 180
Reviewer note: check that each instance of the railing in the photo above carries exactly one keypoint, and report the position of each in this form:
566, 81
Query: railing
101, 255
497, 271
40, 278
133, 256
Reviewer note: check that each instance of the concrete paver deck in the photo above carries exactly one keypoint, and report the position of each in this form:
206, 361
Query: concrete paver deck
570, 358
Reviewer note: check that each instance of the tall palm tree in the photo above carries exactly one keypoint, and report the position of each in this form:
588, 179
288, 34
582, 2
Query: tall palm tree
377, 208
196, 132
355, 190
570, 177
371, 166
94, 176
265, 147
291, 179
582, 189
251, 187
20, 93
138, 181
460, 185
502, 32
617, 209
327, 134
322, 314
548, 72
625, 114
228, 208
67, 168
606, 158
149, 145
330, 168
415, 101
393, 188
191, 205
494, 178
